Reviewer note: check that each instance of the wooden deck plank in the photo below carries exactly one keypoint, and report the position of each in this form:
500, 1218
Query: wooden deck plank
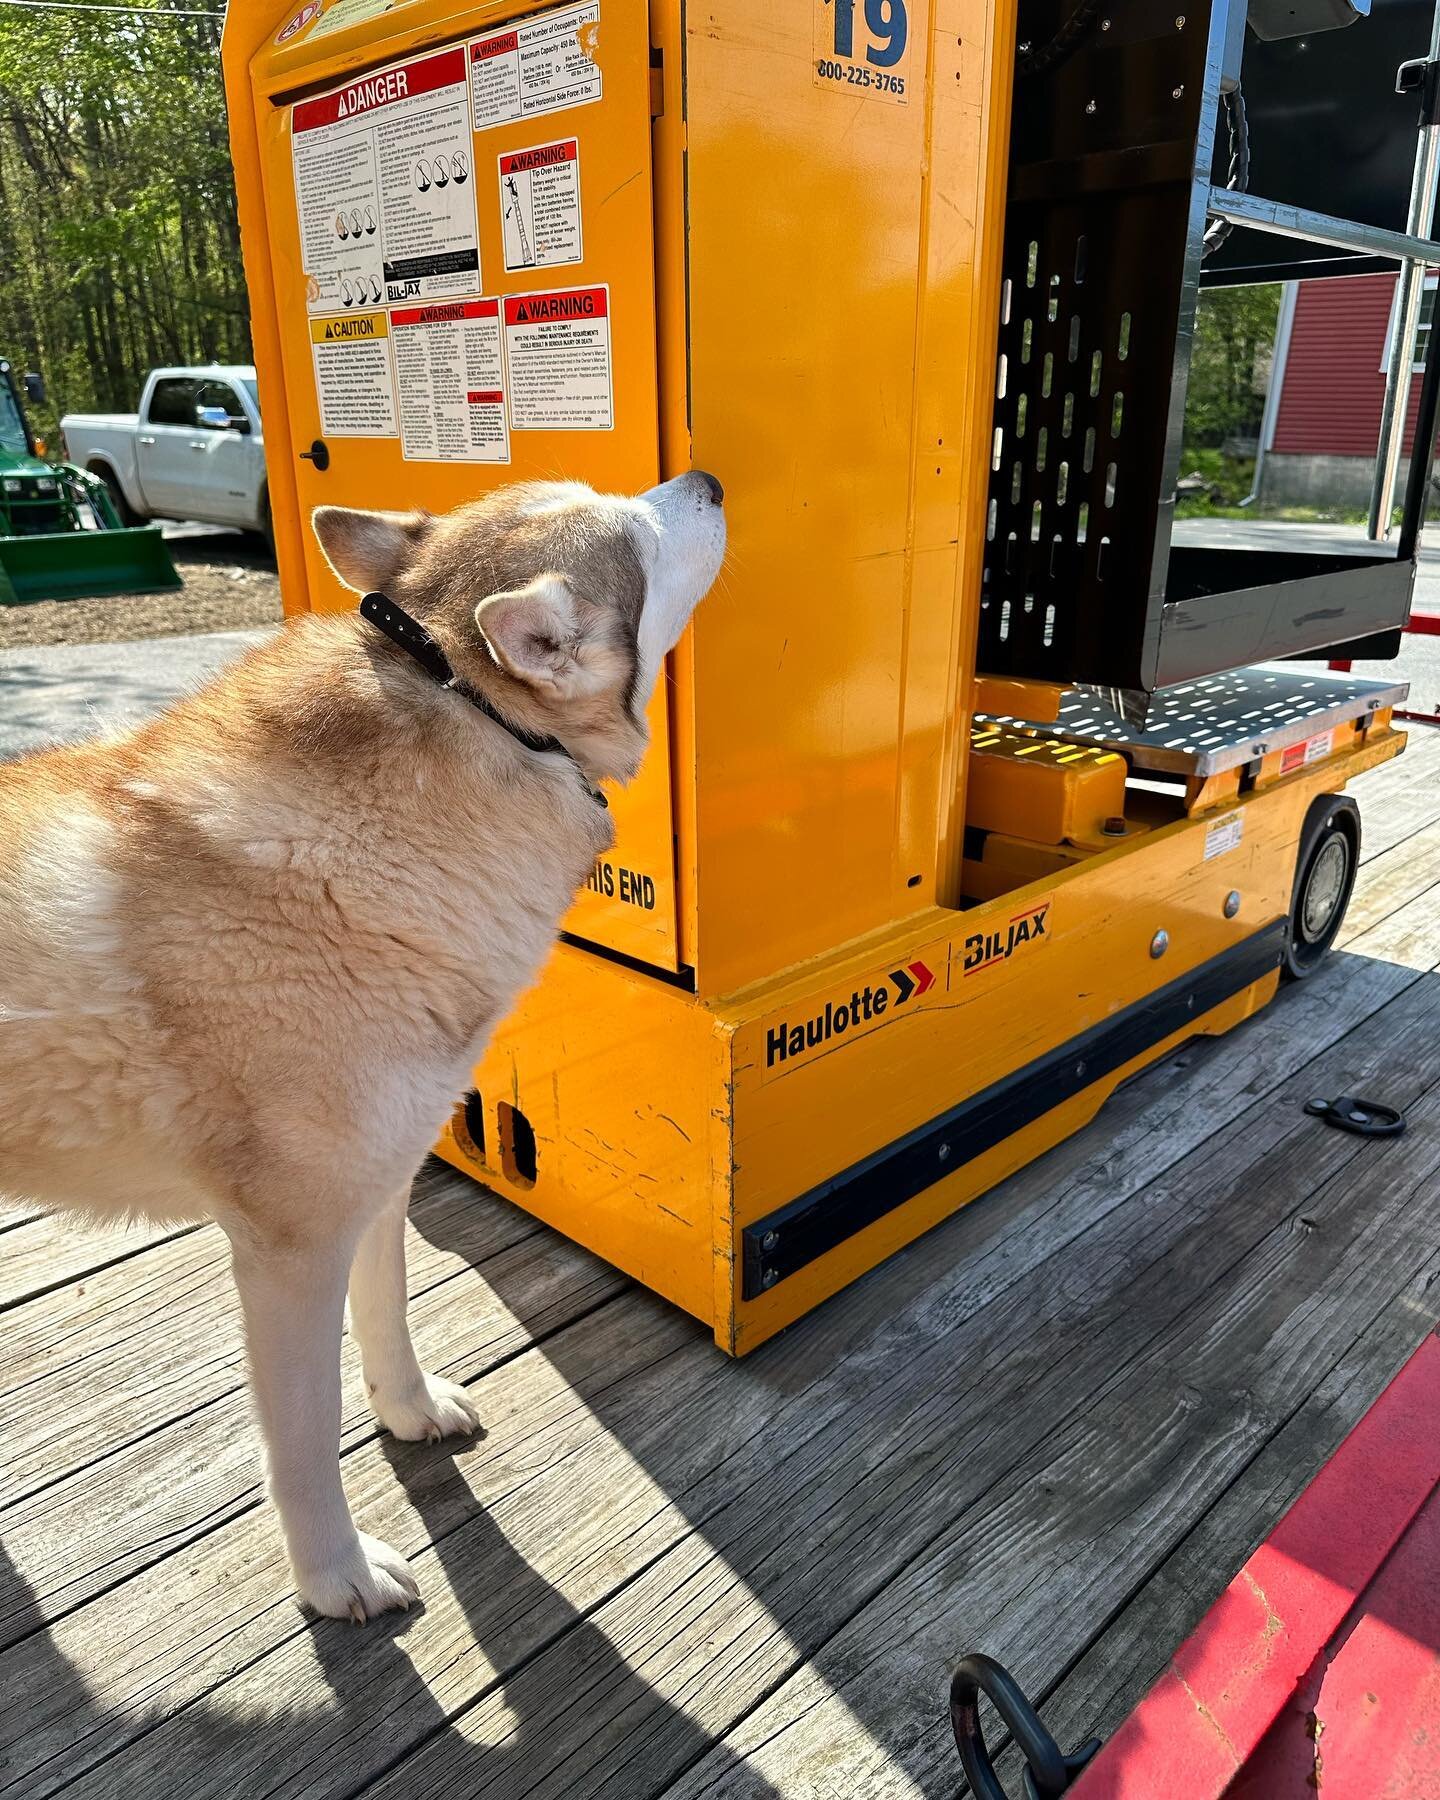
45, 1251
49, 1251
1399, 798
1391, 880
91, 1684
1262, 1059
152, 1338
141, 1494
157, 1496
1126, 1653
894, 1402
1069, 1535
620, 1450
148, 1495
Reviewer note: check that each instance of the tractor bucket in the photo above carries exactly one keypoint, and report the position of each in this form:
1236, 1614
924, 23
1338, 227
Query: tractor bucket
73, 565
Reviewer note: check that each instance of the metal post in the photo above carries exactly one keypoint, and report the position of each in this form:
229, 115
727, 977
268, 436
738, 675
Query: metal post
1409, 287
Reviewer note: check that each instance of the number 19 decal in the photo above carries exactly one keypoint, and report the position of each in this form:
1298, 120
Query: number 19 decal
863, 47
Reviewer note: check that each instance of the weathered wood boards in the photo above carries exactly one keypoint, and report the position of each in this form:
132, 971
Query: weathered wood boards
1040, 1432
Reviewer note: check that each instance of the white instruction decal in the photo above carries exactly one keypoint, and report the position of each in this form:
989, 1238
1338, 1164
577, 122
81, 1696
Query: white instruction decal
1319, 747
352, 375
384, 188
447, 368
557, 347
539, 66
1300, 756
1224, 834
540, 205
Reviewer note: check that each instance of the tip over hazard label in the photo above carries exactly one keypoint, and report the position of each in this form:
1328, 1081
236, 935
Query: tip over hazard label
540, 205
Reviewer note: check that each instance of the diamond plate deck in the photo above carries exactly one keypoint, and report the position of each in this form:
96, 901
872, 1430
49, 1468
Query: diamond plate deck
1202, 727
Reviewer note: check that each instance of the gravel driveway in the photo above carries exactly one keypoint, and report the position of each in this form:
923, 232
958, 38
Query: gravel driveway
230, 583
54, 692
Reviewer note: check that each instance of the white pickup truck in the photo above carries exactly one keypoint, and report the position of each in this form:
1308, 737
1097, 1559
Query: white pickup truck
193, 451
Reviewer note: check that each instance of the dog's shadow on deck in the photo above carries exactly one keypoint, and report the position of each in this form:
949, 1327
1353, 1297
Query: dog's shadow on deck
386, 1728
519, 1687
493, 1720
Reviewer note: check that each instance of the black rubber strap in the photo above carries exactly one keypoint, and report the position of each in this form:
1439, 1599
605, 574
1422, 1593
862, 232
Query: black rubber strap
1353, 1113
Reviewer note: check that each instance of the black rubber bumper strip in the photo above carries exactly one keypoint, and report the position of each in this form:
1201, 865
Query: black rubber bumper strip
794, 1236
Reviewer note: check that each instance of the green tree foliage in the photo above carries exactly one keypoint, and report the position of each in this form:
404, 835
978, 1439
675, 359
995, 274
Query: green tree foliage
1230, 364
119, 244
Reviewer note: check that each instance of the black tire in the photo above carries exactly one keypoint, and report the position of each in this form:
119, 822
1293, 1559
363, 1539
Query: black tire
267, 523
124, 511
1324, 881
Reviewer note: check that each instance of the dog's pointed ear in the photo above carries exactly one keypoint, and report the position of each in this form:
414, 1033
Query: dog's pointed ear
367, 550
534, 633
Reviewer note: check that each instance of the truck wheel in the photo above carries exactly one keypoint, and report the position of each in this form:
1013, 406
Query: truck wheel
267, 523
1324, 880
124, 511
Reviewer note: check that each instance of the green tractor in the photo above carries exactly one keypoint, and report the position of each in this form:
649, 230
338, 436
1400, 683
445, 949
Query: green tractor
49, 549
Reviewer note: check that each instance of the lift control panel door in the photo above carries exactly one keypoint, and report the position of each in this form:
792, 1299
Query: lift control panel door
458, 227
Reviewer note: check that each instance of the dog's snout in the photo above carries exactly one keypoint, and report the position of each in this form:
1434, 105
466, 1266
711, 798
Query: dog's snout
712, 487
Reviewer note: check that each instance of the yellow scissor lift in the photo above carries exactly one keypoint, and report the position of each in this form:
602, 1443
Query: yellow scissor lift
878, 928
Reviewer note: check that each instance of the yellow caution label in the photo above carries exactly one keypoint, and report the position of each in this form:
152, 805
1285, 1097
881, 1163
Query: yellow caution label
354, 328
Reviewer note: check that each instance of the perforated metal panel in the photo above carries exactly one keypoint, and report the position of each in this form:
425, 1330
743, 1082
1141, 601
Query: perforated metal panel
1087, 350
1111, 160
1205, 726
1103, 163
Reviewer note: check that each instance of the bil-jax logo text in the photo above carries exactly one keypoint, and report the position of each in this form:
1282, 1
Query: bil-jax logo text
785, 1040
983, 949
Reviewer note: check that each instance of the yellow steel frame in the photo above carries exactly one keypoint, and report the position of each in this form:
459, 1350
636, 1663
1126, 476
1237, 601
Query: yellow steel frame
806, 287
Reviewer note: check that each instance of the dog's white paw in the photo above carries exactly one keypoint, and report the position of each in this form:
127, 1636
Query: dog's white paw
367, 1579
433, 1409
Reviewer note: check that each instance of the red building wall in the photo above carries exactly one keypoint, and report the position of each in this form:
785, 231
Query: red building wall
1333, 382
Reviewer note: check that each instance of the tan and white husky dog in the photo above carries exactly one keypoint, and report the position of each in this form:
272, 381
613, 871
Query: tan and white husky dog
250, 951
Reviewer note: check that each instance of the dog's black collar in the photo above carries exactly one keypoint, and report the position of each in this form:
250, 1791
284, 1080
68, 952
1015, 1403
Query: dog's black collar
412, 637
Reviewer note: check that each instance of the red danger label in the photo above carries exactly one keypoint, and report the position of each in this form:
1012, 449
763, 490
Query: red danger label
546, 156
387, 88
546, 309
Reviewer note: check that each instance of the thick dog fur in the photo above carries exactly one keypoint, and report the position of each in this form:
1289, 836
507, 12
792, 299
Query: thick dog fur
250, 952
